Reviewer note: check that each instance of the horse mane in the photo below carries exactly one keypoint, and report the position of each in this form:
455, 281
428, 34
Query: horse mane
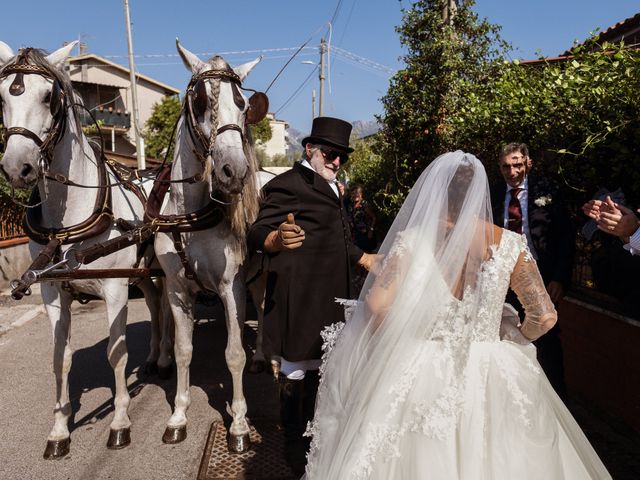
244, 211
244, 206
37, 57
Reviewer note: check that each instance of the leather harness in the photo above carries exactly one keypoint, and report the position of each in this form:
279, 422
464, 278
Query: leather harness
102, 217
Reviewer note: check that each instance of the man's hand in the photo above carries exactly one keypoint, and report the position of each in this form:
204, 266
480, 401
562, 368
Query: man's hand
617, 220
592, 209
288, 236
555, 291
370, 262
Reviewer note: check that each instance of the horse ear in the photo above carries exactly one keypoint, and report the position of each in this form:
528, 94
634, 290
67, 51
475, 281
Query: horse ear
6, 53
190, 60
243, 70
57, 58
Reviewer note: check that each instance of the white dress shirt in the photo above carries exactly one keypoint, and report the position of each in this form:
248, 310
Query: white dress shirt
523, 196
634, 243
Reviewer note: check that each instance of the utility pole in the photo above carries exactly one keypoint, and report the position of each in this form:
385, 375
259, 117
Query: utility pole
449, 9
134, 92
313, 104
323, 49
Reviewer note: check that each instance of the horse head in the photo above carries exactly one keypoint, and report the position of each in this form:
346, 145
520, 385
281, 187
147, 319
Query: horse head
33, 97
217, 113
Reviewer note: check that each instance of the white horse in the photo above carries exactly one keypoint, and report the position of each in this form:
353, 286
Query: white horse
46, 148
214, 174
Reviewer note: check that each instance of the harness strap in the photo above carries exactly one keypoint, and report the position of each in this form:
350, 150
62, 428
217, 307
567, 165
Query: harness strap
189, 272
21, 287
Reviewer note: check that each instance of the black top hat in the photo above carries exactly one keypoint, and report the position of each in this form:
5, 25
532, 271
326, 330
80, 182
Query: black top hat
330, 131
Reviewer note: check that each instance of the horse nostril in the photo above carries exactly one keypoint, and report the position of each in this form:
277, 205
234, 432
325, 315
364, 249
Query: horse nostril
227, 171
26, 170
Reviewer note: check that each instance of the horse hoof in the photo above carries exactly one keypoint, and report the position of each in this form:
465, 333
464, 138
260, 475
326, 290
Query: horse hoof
165, 373
256, 366
56, 448
150, 368
174, 434
238, 443
119, 438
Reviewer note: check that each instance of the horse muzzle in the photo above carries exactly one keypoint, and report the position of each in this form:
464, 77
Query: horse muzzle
20, 175
229, 179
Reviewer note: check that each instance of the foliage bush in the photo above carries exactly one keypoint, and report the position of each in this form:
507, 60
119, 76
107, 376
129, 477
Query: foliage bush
160, 127
458, 91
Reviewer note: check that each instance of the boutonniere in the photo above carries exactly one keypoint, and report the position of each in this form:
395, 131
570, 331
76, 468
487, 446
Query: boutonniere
543, 201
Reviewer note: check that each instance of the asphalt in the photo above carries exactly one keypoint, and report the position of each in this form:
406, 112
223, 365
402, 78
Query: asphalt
27, 395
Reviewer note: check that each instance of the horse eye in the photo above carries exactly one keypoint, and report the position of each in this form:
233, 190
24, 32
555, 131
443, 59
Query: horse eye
47, 97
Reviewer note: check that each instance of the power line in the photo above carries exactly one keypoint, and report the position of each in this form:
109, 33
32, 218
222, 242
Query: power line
362, 60
210, 54
295, 94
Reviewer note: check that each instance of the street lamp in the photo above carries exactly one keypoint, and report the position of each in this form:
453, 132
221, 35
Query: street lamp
313, 92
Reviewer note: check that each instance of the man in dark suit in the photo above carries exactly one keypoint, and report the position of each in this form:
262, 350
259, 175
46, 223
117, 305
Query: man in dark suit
533, 205
303, 229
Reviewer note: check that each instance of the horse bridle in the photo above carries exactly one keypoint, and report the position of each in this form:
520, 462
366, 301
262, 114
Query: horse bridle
197, 100
57, 106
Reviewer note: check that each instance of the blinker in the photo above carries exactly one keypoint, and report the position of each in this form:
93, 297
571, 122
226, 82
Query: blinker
17, 87
55, 103
199, 101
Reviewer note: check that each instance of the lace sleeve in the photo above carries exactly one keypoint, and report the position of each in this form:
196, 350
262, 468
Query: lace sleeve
540, 314
383, 291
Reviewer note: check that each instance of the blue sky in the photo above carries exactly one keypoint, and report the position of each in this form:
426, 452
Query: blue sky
364, 28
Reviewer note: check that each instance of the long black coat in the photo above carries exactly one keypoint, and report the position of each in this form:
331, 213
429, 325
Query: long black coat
550, 227
302, 284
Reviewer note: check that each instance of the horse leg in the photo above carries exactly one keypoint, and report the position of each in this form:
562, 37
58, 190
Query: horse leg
165, 361
159, 359
256, 290
233, 297
58, 307
116, 295
182, 309
152, 299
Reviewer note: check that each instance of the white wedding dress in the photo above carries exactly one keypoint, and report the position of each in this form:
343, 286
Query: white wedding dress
434, 393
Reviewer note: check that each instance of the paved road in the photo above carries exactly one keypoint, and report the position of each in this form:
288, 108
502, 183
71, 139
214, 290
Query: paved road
27, 399
27, 393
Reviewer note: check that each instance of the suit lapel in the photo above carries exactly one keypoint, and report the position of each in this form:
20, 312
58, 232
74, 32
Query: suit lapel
498, 203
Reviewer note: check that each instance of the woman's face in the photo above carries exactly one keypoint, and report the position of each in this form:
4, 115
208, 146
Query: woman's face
356, 196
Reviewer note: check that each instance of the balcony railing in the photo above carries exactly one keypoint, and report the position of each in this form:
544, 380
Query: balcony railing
107, 118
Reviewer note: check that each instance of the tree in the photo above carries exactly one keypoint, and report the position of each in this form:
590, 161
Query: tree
578, 116
261, 131
160, 127
446, 45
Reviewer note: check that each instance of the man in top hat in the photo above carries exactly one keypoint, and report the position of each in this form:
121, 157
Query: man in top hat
303, 230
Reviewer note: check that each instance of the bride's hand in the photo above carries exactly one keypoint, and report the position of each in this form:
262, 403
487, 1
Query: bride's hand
509, 326
371, 262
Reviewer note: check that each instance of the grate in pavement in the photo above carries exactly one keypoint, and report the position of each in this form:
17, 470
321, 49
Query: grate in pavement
264, 460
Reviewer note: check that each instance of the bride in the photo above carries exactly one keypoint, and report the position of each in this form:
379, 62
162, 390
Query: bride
422, 382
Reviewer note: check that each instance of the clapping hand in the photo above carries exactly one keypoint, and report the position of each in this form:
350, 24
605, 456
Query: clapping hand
612, 217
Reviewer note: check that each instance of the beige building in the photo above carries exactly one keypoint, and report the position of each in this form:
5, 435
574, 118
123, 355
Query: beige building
277, 145
105, 89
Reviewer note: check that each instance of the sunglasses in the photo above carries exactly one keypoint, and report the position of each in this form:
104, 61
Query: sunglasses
331, 155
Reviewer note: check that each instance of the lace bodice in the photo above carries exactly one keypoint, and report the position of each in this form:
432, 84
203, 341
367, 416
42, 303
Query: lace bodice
477, 315
494, 281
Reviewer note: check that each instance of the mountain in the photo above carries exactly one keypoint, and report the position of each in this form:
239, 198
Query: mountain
361, 128
364, 128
